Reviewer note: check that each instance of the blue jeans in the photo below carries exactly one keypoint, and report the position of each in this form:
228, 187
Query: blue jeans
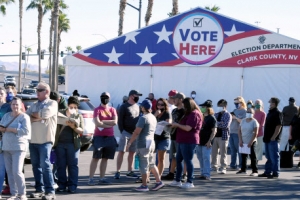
273, 159
41, 167
203, 155
67, 160
234, 150
185, 152
2, 169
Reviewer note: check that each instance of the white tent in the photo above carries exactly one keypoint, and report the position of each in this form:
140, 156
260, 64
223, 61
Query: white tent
216, 56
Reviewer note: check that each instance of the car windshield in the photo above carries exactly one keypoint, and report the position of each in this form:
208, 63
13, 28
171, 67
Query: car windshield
86, 105
34, 82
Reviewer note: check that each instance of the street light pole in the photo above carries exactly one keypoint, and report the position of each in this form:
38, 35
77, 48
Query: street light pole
139, 9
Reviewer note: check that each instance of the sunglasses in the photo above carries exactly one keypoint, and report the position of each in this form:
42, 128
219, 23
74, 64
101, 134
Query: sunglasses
73, 107
40, 90
161, 104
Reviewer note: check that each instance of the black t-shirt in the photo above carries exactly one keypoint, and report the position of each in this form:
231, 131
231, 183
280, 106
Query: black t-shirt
165, 134
274, 118
209, 123
219, 130
295, 123
177, 114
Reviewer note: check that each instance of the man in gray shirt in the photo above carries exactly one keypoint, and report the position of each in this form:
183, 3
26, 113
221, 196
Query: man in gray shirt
288, 113
127, 118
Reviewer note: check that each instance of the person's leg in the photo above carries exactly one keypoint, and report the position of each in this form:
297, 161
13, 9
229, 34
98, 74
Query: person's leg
206, 152
214, 153
200, 158
244, 162
2, 170
18, 176
36, 167
161, 161
130, 160
233, 150
173, 150
8, 160
268, 165
93, 166
223, 153
259, 148
121, 149
72, 164
275, 158
61, 164
120, 160
253, 158
45, 150
103, 166
143, 154
179, 159
188, 154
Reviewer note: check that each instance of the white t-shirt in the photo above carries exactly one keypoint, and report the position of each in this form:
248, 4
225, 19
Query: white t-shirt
171, 107
247, 129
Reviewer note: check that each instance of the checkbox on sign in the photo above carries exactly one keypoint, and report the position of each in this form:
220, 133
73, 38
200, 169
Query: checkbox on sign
197, 22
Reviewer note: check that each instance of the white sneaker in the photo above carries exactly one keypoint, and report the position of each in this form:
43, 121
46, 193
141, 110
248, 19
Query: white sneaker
13, 198
55, 186
187, 185
175, 184
254, 174
32, 184
223, 171
23, 197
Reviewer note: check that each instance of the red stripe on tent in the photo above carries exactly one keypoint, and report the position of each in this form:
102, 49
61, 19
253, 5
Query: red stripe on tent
270, 57
169, 63
94, 61
244, 35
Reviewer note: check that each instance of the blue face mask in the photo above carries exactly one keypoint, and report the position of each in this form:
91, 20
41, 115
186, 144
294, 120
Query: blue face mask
236, 105
9, 97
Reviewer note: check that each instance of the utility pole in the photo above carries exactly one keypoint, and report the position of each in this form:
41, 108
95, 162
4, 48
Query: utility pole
54, 85
20, 51
139, 9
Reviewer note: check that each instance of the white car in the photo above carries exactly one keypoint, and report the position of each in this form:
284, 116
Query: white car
10, 80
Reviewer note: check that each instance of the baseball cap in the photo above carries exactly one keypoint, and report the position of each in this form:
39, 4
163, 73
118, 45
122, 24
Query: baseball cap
125, 98
179, 95
134, 92
105, 94
292, 99
207, 103
172, 93
54, 95
146, 104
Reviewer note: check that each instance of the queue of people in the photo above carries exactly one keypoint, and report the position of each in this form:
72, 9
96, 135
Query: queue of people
54, 124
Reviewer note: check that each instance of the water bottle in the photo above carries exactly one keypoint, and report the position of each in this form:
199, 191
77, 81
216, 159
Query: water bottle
52, 156
136, 161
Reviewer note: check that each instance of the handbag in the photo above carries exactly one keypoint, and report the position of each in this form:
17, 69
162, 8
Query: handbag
286, 158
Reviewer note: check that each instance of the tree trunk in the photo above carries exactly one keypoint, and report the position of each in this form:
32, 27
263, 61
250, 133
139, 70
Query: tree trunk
55, 53
121, 13
40, 20
50, 47
175, 8
20, 42
149, 12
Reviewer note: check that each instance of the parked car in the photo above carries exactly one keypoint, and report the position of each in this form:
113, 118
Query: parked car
29, 91
33, 84
61, 80
9, 80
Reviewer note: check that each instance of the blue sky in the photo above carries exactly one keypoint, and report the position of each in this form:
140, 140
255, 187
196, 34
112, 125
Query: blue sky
95, 21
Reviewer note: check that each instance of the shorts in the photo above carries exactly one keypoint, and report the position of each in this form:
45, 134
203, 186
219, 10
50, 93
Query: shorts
173, 149
124, 139
104, 147
146, 159
162, 145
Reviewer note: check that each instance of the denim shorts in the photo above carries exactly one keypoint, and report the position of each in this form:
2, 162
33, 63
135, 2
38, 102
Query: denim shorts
104, 147
162, 144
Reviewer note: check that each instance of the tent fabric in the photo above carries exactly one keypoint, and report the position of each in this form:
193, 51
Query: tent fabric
214, 55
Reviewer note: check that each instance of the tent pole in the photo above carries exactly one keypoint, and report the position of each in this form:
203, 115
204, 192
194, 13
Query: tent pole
151, 80
242, 82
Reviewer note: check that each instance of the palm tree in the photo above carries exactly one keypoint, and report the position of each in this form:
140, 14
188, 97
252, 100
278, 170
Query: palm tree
149, 12
121, 13
69, 49
78, 48
54, 71
42, 6
2, 7
63, 26
62, 6
20, 42
175, 8
215, 8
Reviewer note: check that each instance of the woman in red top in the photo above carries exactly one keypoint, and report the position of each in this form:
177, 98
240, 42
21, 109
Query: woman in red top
260, 116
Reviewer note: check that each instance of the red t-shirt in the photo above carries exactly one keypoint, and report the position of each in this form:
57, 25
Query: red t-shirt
105, 114
194, 120
260, 117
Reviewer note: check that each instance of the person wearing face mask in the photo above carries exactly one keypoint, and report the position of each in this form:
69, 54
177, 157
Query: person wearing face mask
67, 146
162, 141
237, 115
170, 100
124, 100
11, 93
260, 117
250, 104
247, 135
271, 138
127, 119
224, 119
193, 95
288, 113
153, 101
104, 142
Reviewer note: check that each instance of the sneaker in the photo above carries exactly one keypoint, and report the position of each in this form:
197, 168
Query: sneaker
6, 190
36, 194
223, 171
263, 175
32, 184
174, 183
72, 191
49, 196
23, 197
142, 188
158, 186
213, 169
61, 190
298, 166
184, 178
131, 175
241, 172
55, 186
91, 181
169, 176
233, 169
273, 177
187, 185
205, 178
254, 174
104, 181
13, 198
117, 175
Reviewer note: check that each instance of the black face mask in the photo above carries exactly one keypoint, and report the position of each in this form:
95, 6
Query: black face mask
104, 100
162, 109
136, 99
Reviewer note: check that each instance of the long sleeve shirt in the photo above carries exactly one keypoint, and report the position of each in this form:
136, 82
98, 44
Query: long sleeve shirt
224, 124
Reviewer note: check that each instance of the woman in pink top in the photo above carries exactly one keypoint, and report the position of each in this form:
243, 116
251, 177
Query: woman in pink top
260, 116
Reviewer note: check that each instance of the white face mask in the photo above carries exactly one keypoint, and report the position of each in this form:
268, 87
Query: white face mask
249, 115
72, 111
193, 96
220, 109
